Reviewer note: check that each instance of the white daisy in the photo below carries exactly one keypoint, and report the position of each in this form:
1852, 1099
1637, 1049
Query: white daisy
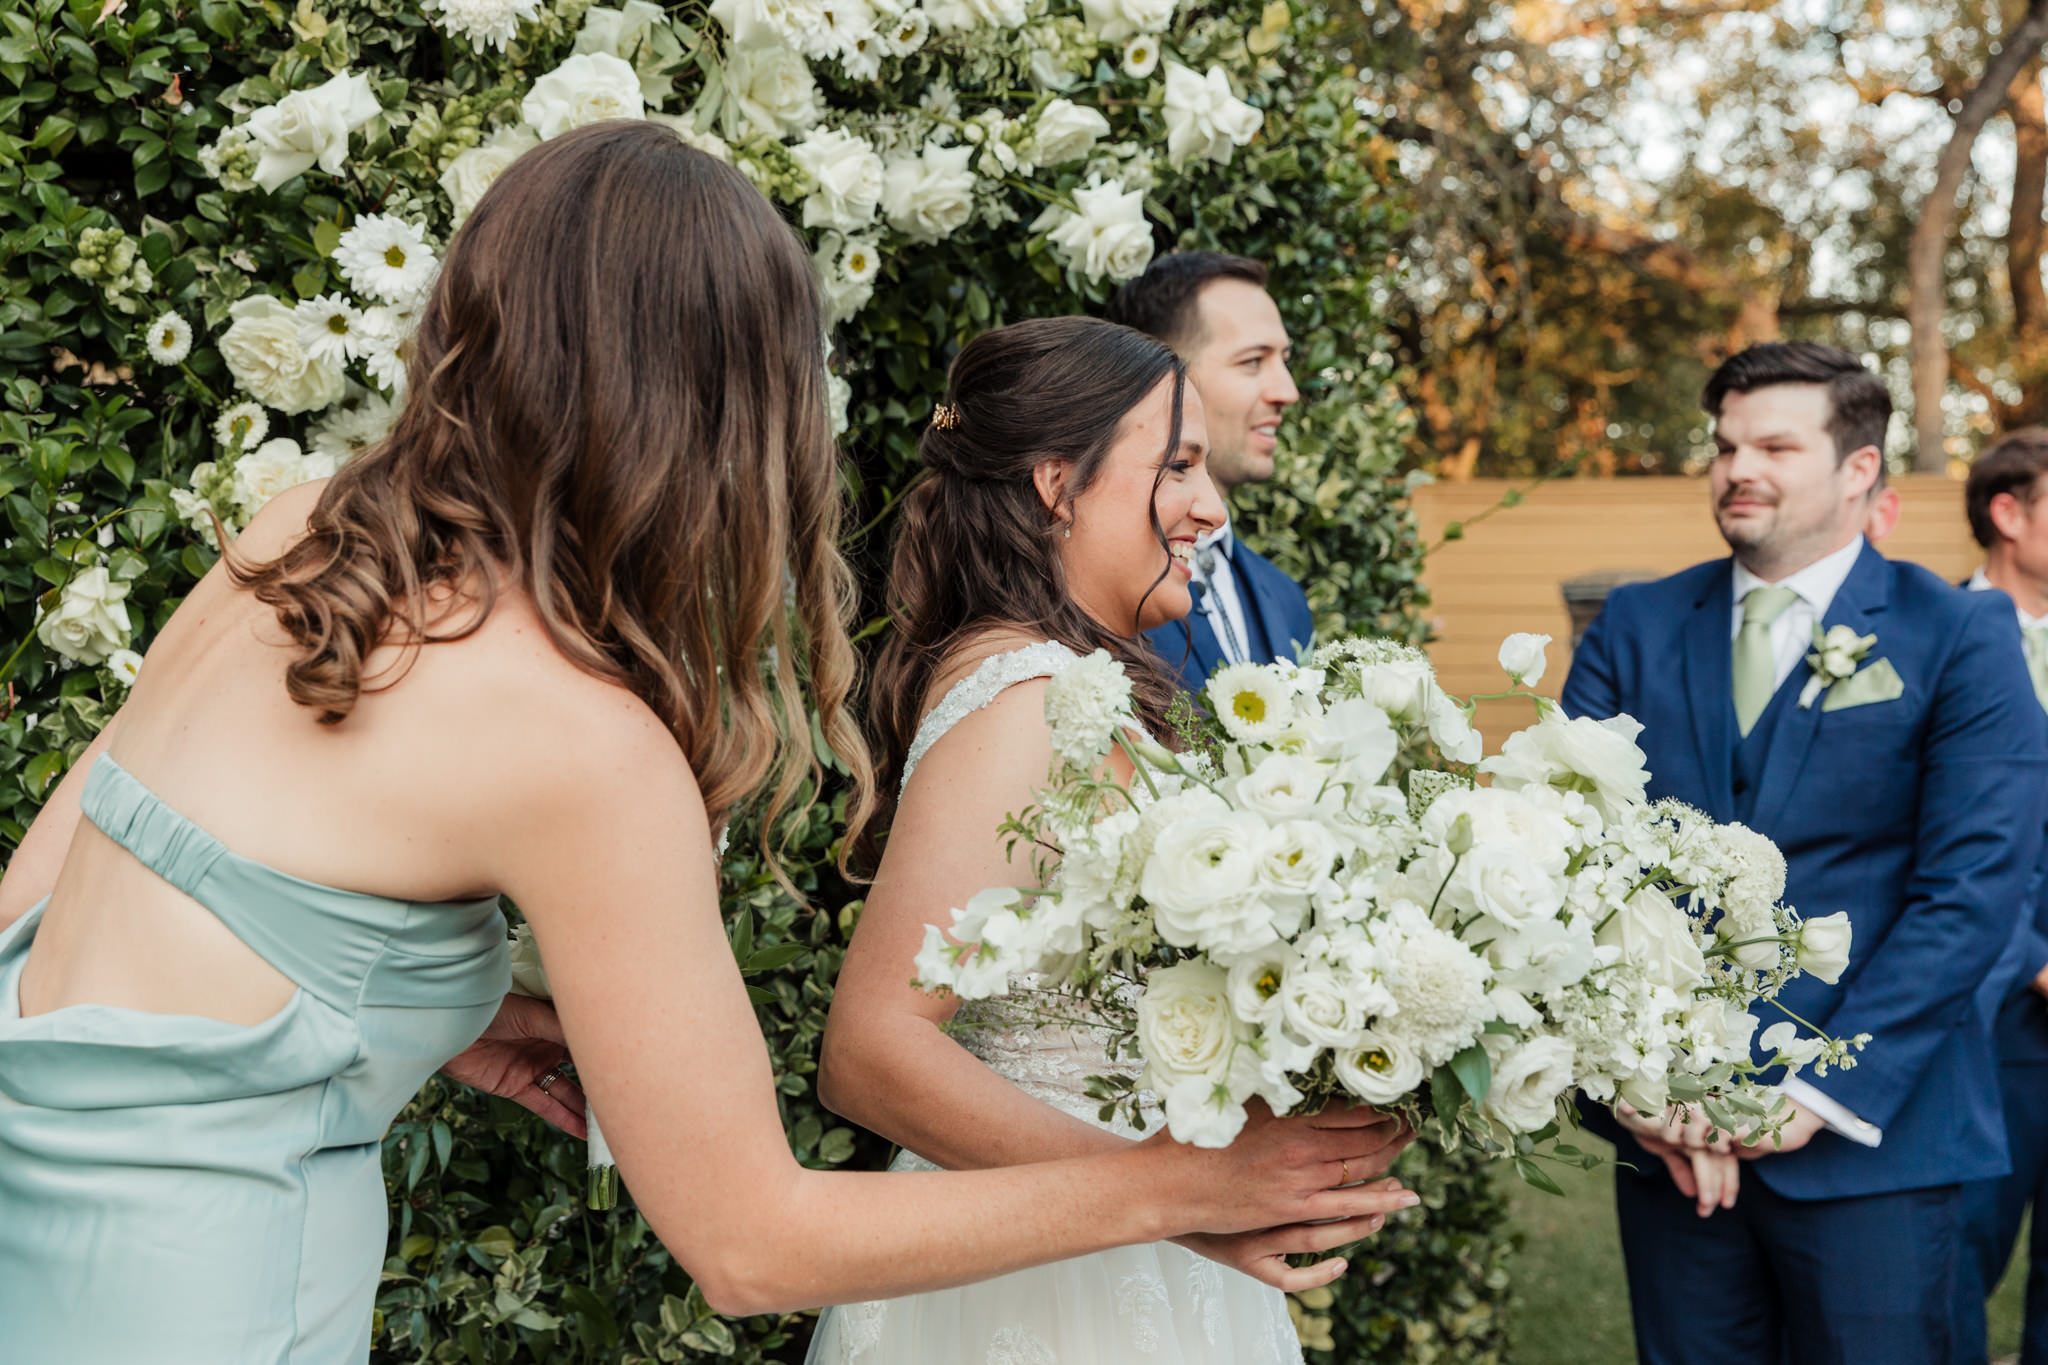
1253, 701
169, 340
386, 258
486, 23
244, 422
388, 346
859, 261
330, 329
1141, 56
346, 432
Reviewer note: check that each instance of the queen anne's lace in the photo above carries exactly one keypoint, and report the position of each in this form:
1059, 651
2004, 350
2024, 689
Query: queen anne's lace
995, 675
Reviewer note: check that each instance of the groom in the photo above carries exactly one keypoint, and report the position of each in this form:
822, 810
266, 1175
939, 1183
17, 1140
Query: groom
1910, 795
1214, 311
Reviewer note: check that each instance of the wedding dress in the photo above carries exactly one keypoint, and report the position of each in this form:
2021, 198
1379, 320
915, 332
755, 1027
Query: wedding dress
1155, 1303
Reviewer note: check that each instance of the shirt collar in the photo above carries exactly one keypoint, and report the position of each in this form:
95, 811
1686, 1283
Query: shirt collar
1816, 584
1979, 583
1219, 539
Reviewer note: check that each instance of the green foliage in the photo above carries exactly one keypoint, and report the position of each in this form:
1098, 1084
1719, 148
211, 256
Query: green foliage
109, 218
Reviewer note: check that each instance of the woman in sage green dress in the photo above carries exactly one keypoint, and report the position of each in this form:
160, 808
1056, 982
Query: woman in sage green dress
538, 643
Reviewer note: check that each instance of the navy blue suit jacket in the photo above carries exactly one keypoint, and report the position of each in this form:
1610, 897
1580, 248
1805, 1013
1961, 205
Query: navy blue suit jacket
1190, 647
1921, 817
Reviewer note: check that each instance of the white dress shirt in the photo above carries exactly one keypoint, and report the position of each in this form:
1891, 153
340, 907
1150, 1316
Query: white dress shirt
1791, 641
1979, 583
1219, 596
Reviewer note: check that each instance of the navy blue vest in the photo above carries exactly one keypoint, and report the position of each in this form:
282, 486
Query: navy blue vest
1751, 750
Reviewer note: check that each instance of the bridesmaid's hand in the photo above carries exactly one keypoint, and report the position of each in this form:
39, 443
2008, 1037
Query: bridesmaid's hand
1263, 1254
522, 1045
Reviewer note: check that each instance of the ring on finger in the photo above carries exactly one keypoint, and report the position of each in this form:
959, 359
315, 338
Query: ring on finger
1343, 1173
548, 1078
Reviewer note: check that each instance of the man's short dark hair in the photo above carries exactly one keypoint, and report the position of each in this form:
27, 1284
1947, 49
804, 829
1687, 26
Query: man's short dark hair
2012, 465
1859, 405
1161, 302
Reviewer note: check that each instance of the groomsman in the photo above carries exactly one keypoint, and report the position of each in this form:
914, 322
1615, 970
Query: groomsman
1214, 311
2009, 518
1909, 795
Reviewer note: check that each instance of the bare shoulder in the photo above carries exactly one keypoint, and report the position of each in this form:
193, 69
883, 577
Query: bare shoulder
281, 522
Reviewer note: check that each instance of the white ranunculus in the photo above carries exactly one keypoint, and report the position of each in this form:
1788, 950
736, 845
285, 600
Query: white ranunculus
90, 621
846, 175
1200, 878
1184, 1024
1597, 757
1824, 946
1065, 131
1503, 881
1657, 937
467, 177
1721, 1028
1498, 816
1317, 1006
769, 92
1255, 981
310, 127
1528, 1082
1289, 787
1379, 1068
1204, 118
261, 347
1105, 236
588, 87
1523, 659
930, 196
261, 474
1294, 862
1253, 702
1086, 704
1112, 21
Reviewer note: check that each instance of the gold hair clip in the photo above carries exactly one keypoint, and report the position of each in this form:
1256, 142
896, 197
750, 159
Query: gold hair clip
945, 417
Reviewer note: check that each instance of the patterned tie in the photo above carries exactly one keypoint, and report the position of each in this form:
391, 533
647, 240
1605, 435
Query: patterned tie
1233, 650
1756, 663
2035, 638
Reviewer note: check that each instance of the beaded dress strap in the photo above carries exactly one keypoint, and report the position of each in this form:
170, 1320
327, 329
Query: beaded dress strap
995, 675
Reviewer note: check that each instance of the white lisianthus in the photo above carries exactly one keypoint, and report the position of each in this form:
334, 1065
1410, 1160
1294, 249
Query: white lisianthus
769, 92
169, 339
1751, 936
1597, 757
1105, 235
930, 196
330, 329
266, 471
310, 128
125, 665
1824, 946
1379, 1068
1204, 118
243, 424
1253, 702
90, 621
1401, 687
1503, 881
386, 258
465, 178
1086, 704
1141, 56
1185, 1027
1065, 131
262, 351
1289, 787
1255, 981
1782, 1040
1112, 21
1199, 880
1355, 735
1523, 659
588, 87
1528, 1082
485, 23
846, 175
1202, 1113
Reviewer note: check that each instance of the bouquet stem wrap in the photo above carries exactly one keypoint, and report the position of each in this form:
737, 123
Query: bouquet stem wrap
531, 979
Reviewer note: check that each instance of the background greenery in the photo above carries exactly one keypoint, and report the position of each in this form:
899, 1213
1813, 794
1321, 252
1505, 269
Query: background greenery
103, 111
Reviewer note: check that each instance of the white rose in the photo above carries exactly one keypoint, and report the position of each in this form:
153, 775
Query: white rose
769, 92
1317, 1006
587, 87
1105, 236
1752, 937
1597, 757
1065, 131
90, 621
261, 347
1379, 1068
1523, 659
847, 176
1112, 21
1185, 1027
1824, 946
1656, 937
471, 173
1527, 1083
930, 196
261, 474
1503, 881
1204, 118
310, 127
770, 23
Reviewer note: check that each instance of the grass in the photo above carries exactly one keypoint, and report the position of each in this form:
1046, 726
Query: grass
1571, 1297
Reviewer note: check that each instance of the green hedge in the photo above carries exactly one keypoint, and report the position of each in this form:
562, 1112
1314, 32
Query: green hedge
111, 215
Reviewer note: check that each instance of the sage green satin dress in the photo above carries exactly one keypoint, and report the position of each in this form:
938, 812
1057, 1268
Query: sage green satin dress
175, 1190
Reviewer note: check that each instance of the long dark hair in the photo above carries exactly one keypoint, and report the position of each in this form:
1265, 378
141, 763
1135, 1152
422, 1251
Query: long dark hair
976, 547
617, 398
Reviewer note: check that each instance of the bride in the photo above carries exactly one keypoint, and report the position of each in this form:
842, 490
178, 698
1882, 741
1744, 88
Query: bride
1064, 493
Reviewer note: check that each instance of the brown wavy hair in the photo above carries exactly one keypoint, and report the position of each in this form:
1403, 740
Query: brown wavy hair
618, 401
977, 548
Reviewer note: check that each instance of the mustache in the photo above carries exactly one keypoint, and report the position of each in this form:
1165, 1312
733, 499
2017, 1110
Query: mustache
1748, 494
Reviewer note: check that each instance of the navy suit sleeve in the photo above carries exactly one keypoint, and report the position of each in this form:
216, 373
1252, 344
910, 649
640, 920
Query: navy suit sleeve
1591, 689
1981, 809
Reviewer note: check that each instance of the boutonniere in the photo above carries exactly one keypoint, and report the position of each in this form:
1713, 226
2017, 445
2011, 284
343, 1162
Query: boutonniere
1836, 656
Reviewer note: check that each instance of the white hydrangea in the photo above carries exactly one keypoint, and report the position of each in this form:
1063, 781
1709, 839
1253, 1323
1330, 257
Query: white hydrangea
1086, 704
387, 258
485, 23
1754, 867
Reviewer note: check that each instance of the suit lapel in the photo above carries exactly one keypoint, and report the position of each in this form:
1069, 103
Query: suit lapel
1204, 653
1709, 681
1271, 608
1863, 596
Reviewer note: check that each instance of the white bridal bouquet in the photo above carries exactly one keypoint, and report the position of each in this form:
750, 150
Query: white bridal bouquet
1315, 898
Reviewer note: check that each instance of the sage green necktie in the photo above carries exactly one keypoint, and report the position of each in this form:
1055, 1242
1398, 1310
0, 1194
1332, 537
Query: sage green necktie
2035, 638
1756, 663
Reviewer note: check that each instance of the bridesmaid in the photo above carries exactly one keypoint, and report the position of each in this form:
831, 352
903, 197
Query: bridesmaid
539, 644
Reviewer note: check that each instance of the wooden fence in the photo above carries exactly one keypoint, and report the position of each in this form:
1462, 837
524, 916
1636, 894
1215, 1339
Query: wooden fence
1507, 572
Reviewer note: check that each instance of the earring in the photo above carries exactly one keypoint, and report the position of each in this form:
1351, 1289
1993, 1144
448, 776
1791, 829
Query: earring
1068, 534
